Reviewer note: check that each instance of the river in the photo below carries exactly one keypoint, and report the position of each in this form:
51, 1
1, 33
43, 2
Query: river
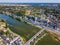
20, 28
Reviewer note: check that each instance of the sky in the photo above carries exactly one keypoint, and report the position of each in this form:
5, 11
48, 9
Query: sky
29, 1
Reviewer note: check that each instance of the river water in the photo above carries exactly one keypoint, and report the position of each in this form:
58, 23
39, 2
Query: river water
13, 23
25, 30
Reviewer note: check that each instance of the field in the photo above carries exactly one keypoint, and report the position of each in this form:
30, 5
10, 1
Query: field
49, 39
26, 31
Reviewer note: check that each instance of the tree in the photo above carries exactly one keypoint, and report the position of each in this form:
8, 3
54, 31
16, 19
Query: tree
21, 13
1, 12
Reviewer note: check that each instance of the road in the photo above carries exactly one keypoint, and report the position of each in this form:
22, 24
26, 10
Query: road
12, 41
53, 30
28, 42
47, 28
40, 38
37, 34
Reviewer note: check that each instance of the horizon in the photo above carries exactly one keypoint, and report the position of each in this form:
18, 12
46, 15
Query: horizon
25, 3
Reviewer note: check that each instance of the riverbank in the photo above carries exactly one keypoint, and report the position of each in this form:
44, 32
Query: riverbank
8, 29
26, 31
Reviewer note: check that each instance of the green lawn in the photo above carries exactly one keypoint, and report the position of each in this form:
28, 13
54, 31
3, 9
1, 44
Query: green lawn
48, 40
37, 37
